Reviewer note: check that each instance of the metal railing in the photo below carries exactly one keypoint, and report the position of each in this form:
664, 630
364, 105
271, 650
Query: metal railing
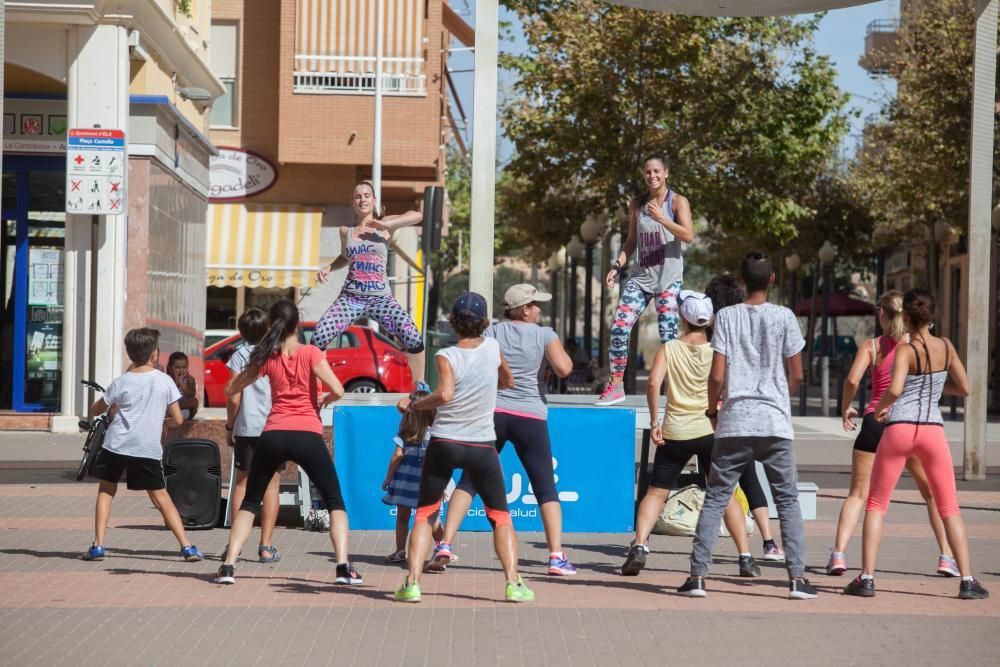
882, 25
355, 75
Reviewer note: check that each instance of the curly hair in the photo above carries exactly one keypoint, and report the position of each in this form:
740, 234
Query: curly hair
468, 327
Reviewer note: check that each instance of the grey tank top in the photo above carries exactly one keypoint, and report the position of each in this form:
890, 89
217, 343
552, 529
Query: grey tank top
658, 262
919, 402
367, 258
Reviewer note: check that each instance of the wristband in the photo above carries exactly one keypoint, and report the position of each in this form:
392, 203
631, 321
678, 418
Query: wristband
711, 414
617, 267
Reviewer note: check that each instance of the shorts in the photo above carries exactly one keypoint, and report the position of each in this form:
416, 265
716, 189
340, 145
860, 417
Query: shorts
243, 450
869, 435
142, 474
672, 456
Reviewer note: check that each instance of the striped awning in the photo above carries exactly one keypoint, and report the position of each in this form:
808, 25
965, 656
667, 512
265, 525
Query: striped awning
262, 246
339, 36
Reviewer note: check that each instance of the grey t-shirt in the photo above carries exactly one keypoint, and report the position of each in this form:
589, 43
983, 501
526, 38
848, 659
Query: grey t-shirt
255, 403
523, 345
756, 339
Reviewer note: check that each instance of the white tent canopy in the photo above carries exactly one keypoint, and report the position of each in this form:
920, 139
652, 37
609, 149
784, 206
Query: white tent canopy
976, 343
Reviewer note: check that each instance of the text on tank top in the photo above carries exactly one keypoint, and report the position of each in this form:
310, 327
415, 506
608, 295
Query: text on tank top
919, 402
366, 258
881, 373
658, 262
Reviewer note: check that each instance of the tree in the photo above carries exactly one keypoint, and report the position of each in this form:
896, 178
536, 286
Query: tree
914, 168
746, 110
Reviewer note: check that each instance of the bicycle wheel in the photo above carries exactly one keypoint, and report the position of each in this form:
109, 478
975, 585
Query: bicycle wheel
91, 448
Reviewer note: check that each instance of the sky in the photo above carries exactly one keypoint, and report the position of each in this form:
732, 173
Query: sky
841, 36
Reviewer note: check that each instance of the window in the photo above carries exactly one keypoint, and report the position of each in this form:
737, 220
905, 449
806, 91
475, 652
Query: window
224, 57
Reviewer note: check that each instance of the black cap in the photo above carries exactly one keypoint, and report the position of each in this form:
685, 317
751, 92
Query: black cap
470, 305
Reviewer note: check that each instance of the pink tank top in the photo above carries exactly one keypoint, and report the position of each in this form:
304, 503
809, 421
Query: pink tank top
882, 373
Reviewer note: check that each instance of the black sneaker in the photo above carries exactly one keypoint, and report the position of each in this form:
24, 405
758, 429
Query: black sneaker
862, 588
694, 587
749, 567
347, 574
801, 589
972, 590
225, 575
635, 561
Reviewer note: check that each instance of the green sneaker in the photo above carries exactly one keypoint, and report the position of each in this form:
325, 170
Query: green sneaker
408, 592
518, 592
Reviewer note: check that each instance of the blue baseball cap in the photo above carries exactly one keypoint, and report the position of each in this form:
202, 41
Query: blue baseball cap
470, 305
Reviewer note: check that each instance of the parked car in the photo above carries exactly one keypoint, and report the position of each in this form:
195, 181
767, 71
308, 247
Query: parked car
365, 361
213, 336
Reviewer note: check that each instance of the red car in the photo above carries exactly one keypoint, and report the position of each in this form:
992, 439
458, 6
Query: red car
364, 360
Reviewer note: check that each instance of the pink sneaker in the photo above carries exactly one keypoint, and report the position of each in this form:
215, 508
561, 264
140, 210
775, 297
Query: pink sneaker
612, 395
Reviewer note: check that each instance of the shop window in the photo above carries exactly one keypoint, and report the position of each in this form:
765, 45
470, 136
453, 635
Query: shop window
224, 59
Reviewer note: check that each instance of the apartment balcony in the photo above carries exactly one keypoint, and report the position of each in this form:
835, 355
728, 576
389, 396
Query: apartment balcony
355, 75
880, 41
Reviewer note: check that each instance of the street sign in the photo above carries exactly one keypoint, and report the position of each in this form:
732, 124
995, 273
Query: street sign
95, 171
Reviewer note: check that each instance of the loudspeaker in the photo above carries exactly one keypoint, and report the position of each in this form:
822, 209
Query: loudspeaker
194, 481
433, 218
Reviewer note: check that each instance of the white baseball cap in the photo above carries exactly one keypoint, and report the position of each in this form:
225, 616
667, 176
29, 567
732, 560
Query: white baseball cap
695, 307
523, 294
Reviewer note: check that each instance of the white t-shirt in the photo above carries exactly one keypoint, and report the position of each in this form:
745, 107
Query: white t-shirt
756, 340
142, 400
468, 416
255, 405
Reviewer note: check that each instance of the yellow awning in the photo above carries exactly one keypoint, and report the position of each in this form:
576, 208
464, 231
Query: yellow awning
262, 246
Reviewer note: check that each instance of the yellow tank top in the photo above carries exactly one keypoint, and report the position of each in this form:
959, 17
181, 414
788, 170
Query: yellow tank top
687, 390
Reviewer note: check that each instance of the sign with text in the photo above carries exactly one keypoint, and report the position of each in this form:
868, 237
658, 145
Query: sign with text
593, 451
237, 174
95, 171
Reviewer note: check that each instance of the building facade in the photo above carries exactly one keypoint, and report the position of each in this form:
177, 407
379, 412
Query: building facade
75, 283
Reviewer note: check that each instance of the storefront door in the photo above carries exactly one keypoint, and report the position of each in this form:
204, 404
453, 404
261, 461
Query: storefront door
31, 267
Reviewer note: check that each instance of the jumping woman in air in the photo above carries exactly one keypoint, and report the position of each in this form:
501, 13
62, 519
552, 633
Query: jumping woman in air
658, 222
366, 291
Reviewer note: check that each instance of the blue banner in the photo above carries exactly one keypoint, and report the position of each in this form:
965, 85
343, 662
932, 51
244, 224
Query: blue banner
593, 451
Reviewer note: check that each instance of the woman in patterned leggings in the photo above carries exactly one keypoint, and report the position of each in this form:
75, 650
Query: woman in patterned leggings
658, 222
366, 291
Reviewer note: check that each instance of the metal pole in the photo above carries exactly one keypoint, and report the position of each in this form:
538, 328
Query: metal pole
977, 333
377, 138
484, 144
825, 344
572, 299
588, 301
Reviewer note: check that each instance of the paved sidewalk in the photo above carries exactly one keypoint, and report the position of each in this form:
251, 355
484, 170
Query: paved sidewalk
144, 606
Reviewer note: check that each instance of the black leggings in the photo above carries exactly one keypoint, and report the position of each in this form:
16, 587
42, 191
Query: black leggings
750, 483
479, 460
308, 450
530, 438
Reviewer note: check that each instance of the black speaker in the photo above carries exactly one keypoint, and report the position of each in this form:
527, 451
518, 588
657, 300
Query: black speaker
433, 218
194, 481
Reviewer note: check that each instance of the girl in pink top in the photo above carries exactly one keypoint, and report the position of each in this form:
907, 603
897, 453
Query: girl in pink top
293, 432
878, 355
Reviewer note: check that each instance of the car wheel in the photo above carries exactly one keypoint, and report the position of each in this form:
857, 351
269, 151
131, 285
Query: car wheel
363, 387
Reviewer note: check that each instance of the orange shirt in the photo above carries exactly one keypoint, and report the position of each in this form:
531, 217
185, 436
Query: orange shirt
294, 403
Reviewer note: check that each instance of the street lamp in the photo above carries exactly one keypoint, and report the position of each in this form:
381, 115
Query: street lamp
827, 255
556, 261
575, 252
590, 232
792, 263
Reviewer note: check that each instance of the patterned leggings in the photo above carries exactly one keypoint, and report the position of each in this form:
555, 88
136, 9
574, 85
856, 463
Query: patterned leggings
633, 302
384, 309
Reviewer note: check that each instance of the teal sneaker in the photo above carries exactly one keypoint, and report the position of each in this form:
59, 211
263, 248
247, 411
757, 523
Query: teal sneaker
518, 592
408, 592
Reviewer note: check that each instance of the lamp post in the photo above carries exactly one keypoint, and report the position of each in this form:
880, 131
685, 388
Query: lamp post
556, 261
590, 232
827, 255
792, 263
995, 403
575, 251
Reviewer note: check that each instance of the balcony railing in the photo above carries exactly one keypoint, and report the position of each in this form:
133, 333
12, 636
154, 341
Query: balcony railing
882, 25
355, 75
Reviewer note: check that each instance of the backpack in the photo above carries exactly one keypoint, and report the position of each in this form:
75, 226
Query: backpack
680, 514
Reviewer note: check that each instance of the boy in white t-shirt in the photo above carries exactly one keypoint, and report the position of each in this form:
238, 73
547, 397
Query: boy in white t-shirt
138, 400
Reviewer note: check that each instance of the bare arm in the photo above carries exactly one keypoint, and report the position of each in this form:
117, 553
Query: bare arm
243, 380
340, 262
394, 461
900, 369
681, 227
233, 404
716, 378
325, 374
863, 360
556, 355
656, 376
391, 223
174, 414
957, 383
794, 372
505, 379
627, 249
445, 390
99, 407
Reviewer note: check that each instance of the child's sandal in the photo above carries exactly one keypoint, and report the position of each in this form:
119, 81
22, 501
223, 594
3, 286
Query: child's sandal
396, 557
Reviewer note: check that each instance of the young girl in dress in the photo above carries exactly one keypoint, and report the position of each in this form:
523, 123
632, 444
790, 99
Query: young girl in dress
177, 369
402, 480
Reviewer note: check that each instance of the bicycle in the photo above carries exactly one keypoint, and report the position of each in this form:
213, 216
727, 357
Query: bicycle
95, 435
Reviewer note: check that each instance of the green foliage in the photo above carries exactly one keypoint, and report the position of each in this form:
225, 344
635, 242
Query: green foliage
914, 168
184, 7
747, 112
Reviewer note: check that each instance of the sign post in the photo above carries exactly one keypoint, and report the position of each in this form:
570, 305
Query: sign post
95, 171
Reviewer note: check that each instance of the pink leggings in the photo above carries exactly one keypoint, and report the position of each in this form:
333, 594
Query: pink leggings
928, 444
